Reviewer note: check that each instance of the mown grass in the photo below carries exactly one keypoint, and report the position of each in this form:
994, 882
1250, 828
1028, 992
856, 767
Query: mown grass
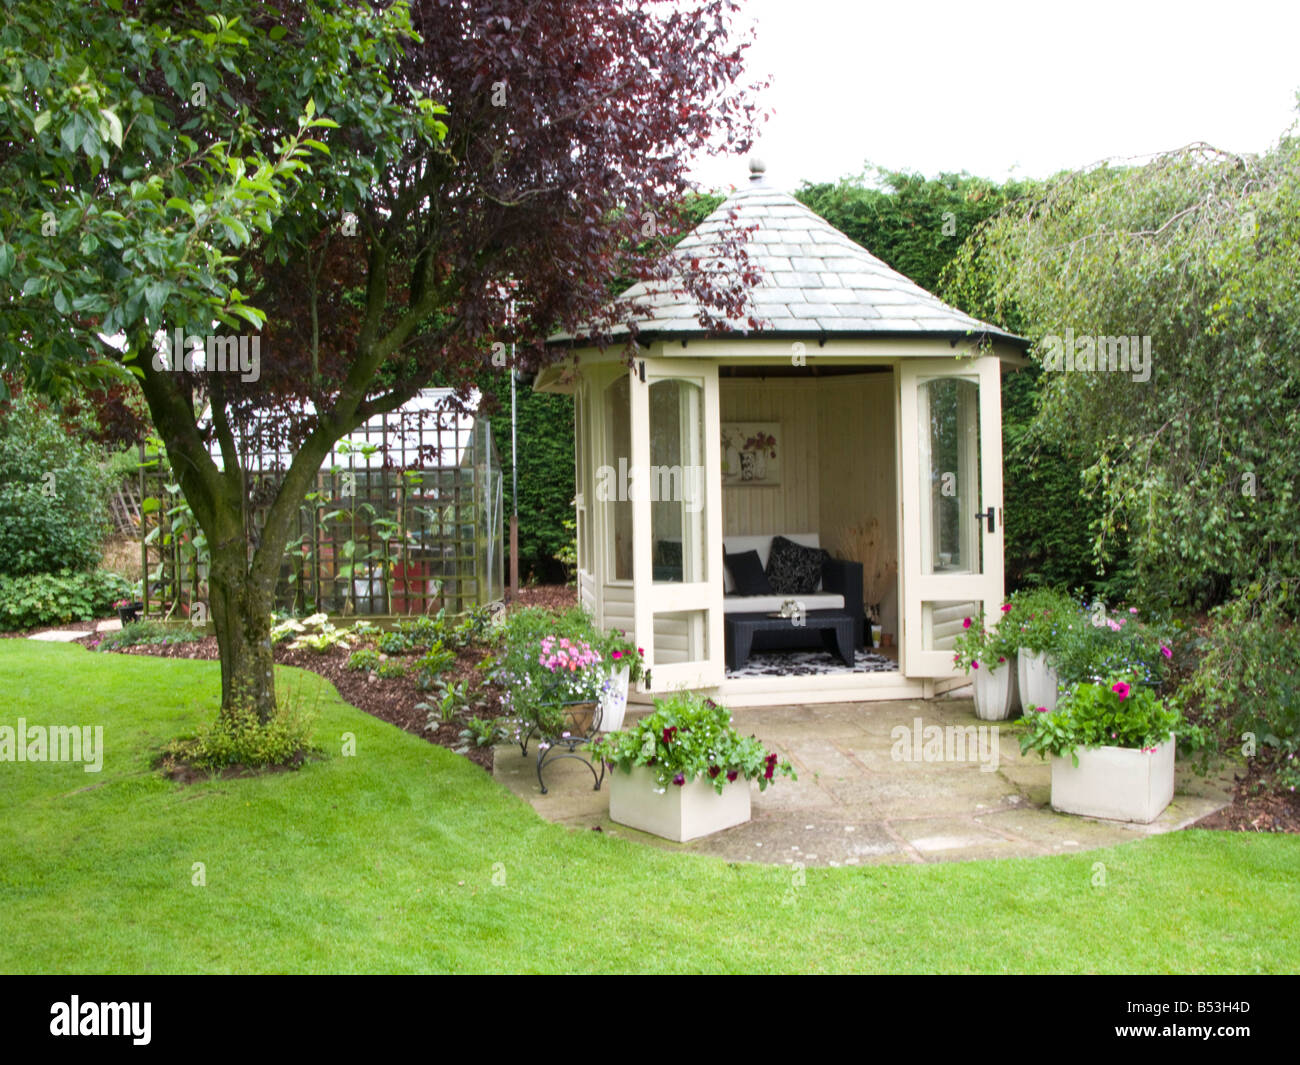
406, 858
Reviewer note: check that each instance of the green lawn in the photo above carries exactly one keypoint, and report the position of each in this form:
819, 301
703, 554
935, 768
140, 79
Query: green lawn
385, 861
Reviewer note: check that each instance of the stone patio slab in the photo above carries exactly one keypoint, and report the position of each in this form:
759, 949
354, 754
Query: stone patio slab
858, 802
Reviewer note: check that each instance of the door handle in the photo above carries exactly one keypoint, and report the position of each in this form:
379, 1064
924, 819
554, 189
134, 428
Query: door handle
980, 515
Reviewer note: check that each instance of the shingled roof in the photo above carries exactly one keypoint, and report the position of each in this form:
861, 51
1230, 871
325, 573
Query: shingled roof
816, 282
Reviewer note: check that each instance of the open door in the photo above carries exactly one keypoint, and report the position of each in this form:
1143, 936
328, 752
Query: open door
950, 420
677, 521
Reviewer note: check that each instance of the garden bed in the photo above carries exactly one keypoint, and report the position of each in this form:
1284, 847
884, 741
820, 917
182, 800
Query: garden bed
393, 700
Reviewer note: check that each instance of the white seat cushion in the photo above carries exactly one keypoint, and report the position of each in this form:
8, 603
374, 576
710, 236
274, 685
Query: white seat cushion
736, 545
762, 604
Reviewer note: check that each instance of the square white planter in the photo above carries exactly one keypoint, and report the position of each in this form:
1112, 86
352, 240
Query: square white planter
693, 810
1119, 783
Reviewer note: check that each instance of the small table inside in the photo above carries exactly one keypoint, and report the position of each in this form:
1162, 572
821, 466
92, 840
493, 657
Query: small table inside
834, 626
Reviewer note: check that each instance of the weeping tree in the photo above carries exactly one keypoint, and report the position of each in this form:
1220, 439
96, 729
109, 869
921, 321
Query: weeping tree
1163, 303
361, 191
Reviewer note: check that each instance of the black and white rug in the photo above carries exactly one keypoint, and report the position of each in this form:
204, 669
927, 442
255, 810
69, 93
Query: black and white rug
809, 664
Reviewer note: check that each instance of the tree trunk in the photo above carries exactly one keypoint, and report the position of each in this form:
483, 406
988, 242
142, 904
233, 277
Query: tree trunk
241, 613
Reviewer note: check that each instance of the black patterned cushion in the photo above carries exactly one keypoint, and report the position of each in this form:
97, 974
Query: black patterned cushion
793, 569
747, 573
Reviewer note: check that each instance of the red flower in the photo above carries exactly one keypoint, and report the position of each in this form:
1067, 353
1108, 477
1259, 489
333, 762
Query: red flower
731, 775
714, 770
770, 766
679, 779
669, 733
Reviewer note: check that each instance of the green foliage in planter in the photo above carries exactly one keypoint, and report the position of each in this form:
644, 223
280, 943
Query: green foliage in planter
37, 599
149, 633
365, 658
984, 647
1039, 619
53, 493
1245, 684
689, 736
1097, 644
1116, 713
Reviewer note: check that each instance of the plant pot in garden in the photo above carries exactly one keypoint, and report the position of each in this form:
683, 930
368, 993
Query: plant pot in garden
613, 700
995, 691
580, 719
129, 613
1119, 783
682, 813
1038, 680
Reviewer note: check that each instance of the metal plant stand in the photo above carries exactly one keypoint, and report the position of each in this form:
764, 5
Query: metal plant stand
582, 725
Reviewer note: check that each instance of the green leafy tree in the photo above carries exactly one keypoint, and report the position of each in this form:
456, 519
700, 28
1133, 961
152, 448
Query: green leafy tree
1192, 457
286, 166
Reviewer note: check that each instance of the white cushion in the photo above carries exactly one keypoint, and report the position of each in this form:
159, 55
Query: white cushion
762, 604
736, 545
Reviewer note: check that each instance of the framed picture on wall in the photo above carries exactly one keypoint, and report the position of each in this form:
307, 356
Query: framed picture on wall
751, 453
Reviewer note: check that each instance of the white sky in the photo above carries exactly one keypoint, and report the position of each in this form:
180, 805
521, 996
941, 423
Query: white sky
1011, 87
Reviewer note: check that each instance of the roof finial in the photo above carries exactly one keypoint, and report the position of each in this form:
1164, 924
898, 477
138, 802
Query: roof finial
757, 168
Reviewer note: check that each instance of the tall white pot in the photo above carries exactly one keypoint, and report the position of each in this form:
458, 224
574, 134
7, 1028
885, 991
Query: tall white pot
995, 691
613, 701
1039, 682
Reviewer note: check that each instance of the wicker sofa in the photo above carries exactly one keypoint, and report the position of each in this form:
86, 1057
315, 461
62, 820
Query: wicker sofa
840, 588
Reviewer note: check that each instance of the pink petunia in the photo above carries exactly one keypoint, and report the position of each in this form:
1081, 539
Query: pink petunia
1006, 607
1121, 689
1166, 652
965, 623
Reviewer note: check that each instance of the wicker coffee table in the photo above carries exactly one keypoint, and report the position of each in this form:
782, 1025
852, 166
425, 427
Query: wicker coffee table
834, 626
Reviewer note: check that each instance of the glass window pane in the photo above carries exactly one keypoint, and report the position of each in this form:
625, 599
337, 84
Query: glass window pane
950, 471
618, 456
677, 481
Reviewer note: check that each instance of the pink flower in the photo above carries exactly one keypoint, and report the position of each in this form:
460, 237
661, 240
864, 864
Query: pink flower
966, 623
1132, 610
1006, 607
1121, 689
617, 654
1166, 652
1040, 709
1001, 660
679, 779
974, 664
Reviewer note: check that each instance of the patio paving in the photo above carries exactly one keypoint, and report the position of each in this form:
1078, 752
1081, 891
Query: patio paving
862, 797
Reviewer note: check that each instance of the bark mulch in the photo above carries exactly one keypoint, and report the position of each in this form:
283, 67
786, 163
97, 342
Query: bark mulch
389, 699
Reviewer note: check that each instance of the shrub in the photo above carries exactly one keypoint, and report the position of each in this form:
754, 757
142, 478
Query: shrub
237, 737
391, 670
418, 634
483, 732
1039, 618
1245, 686
53, 494
1115, 713
433, 664
32, 600
367, 658
686, 737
